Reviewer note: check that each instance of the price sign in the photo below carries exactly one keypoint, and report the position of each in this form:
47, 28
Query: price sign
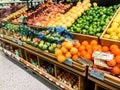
2, 35
103, 56
68, 61
18, 58
0, 48
57, 83
8, 52
13, 39
50, 79
40, 72
97, 74
20, 42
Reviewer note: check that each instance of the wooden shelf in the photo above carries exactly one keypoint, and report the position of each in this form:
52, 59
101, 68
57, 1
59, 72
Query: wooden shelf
110, 82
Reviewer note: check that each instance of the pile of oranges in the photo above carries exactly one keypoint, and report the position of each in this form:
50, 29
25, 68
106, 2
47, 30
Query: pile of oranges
85, 49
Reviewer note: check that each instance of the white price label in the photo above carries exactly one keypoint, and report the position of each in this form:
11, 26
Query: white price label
35, 69
5, 50
40, 72
50, 79
100, 63
46, 76
2, 35
103, 56
61, 86
27, 64
18, 58
0, 48
57, 83
9, 53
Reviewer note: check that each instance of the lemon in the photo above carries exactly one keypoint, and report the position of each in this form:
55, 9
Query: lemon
106, 36
115, 37
112, 33
109, 30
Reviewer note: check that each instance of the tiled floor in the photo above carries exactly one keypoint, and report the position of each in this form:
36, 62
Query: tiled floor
13, 77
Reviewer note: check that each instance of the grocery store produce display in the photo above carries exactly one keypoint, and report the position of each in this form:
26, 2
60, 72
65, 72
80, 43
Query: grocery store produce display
47, 43
113, 31
67, 19
94, 21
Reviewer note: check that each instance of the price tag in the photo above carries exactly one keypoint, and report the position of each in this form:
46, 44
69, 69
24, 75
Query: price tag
40, 72
68, 61
5, 50
9, 53
20, 42
27, 64
61, 86
13, 39
103, 56
0, 48
100, 63
46, 76
97, 74
35, 69
18, 58
57, 83
50, 79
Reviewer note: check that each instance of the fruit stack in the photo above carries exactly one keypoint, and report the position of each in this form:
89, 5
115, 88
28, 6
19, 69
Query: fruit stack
94, 21
17, 13
67, 19
44, 16
85, 49
28, 13
69, 79
113, 32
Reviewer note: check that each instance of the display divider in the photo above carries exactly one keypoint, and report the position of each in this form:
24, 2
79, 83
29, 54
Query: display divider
109, 42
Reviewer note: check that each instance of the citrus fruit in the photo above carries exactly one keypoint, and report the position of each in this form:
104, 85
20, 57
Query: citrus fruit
111, 63
73, 50
58, 52
61, 58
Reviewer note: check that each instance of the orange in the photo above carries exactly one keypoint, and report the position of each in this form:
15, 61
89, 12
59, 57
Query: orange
83, 53
68, 55
95, 48
63, 44
90, 51
75, 57
93, 42
111, 63
85, 43
58, 52
112, 47
118, 65
87, 56
117, 58
116, 70
81, 48
105, 49
99, 46
88, 47
77, 45
61, 58
68, 45
73, 50
116, 51
64, 50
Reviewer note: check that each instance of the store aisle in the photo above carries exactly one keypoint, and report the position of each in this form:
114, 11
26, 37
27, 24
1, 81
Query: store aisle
12, 77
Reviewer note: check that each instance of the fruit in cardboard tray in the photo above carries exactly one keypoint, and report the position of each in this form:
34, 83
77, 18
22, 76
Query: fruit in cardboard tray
113, 32
94, 21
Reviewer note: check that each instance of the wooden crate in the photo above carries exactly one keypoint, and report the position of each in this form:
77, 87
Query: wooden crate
81, 69
110, 82
105, 41
82, 37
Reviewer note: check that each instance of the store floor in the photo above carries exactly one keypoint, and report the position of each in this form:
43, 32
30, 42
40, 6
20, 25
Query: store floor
14, 77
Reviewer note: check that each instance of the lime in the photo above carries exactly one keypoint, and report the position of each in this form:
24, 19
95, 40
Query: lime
98, 34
